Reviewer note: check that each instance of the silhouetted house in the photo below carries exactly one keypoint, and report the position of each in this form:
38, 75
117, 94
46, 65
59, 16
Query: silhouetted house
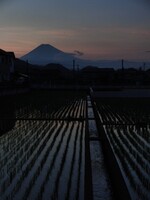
54, 74
148, 76
94, 75
130, 76
6, 65
106, 75
22, 66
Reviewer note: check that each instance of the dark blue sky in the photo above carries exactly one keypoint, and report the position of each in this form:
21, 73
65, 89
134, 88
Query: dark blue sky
99, 28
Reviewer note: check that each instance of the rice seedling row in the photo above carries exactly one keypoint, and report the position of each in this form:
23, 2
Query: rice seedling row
44, 158
129, 139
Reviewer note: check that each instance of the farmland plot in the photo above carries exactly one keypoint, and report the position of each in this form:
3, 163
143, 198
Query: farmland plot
45, 104
126, 125
44, 159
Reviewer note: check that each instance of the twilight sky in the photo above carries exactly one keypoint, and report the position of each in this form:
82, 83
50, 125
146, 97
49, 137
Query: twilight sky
101, 29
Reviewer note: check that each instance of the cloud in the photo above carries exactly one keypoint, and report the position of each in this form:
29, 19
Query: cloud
78, 53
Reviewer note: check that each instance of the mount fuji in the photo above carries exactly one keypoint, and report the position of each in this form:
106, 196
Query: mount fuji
45, 54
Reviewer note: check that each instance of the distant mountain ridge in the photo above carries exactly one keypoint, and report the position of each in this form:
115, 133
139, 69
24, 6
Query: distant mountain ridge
45, 54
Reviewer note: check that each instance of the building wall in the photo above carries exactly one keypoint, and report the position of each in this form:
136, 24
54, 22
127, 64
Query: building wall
6, 66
